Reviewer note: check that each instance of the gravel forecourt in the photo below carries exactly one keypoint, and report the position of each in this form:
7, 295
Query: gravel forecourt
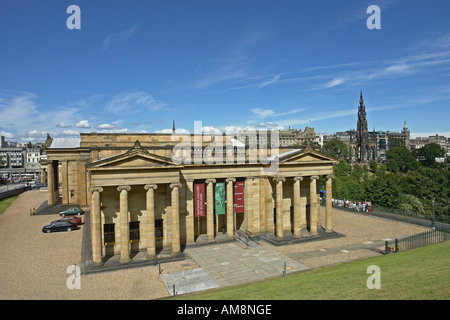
34, 265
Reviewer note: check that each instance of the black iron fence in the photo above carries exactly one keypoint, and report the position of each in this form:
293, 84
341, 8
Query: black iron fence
423, 239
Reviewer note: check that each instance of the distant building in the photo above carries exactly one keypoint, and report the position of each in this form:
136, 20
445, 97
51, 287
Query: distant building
20, 158
364, 148
420, 142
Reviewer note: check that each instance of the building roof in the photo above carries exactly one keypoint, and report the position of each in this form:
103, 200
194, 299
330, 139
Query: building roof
65, 143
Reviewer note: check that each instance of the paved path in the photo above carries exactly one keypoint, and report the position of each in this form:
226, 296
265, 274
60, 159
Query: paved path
230, 264
367, 245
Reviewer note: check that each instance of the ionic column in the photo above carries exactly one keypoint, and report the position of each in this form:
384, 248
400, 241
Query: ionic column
65, 181
297, 181
151, 245
312, 206
175, 217
210, 209
279, 206
230, 207
50, 184
96, 226
328, 212
124, 225
43, 179
190, 212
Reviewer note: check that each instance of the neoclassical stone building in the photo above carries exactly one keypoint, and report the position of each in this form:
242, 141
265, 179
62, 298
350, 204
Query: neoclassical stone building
138, 198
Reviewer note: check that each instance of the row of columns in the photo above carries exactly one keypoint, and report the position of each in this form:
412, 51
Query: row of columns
150, 207
96, 228
313, 206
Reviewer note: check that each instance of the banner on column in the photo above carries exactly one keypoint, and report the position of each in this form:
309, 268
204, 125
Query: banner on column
199, 200
220, 198
239, 197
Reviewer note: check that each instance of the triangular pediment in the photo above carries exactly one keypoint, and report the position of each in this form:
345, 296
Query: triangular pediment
306, 156
133, 158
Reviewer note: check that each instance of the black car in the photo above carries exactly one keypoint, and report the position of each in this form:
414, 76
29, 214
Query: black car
59, 226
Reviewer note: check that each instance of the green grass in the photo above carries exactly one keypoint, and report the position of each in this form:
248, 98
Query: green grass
5, 203
422, 273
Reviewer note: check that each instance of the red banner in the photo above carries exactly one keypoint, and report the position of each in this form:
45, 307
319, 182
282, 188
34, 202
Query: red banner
239, 197
199, 200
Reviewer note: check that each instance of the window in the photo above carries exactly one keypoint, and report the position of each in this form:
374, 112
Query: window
134, 231
158, 229
109, 233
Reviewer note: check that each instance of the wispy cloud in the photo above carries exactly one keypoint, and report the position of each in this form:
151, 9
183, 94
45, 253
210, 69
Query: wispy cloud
133, 102
119, 36
266, 83
268, 113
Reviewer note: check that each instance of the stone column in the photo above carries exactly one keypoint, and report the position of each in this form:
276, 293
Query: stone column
279, 206
50, 184
190, 212
151, 246
175, 217
124, 225
65, 181
230, 207
297, 181
43, 178
96, 226
329, 207
312, 206
210, 209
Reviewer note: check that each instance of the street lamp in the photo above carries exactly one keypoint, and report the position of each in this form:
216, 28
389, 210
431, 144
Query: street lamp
434, 214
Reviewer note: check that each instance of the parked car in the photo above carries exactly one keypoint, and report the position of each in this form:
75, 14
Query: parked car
74, 211
59, 226
73, 219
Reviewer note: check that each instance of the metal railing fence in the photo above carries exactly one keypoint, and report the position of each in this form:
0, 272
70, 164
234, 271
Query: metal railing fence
423, 239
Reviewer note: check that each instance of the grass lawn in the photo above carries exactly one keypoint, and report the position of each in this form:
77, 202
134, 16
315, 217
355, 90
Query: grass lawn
5, 203
422, 273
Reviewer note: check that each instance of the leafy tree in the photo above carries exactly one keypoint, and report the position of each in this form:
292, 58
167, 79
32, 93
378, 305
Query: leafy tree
373, 166
357, 171
342, 168
336, 148
392, 165
428, 153
404, 158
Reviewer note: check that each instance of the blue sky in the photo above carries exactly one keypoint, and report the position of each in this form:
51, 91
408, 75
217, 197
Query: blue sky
135, 66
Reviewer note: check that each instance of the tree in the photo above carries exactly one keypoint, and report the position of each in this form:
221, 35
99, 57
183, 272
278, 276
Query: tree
403, 157
427, 154
336, 148
373, 166
342, 168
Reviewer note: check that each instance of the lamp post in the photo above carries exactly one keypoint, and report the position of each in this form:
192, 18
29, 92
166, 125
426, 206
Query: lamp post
433, 219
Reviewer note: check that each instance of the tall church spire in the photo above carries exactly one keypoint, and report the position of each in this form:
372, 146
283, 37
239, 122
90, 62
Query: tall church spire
361, 102
173, 126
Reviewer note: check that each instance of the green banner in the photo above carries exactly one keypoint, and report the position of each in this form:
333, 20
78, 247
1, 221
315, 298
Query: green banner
220, 198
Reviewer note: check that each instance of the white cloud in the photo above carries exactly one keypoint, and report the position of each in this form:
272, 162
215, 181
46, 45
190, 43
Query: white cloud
262, 113
63, 125
105, 126
266, 83
83, 124
334, 82
133, 102
7, 135
70, 133
119, 36
268, 113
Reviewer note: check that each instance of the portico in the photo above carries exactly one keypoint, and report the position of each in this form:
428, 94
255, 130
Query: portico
141, 201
